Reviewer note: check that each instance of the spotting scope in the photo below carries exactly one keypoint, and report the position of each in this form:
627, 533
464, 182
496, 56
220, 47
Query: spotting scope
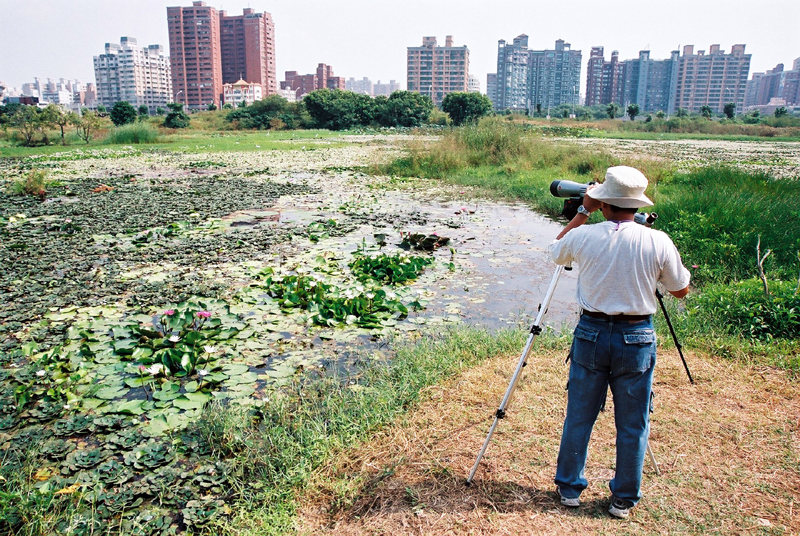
568, 188
574, 192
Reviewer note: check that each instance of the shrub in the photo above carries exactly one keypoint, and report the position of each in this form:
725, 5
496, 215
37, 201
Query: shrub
176, 117
133, 133
33, 184
743, 309
466, 107
122, 113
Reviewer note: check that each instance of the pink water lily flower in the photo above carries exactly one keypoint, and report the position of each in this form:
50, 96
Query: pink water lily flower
203, 314
169, 312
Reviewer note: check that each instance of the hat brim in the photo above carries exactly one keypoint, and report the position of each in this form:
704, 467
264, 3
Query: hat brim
624, 202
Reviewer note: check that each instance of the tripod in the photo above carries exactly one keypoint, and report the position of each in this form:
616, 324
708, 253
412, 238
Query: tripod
536, 329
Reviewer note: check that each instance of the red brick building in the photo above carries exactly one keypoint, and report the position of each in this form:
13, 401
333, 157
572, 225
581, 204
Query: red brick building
305, 84
247, 44
195, 58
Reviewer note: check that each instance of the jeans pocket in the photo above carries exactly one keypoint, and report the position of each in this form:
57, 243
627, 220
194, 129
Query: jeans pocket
583, 346
638, 350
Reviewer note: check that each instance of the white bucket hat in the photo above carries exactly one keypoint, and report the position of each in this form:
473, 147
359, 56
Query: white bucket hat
624, 187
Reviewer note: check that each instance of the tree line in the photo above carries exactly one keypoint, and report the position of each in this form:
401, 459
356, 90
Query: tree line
324, 108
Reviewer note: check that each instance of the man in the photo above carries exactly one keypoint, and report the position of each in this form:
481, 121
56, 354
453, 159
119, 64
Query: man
614, 345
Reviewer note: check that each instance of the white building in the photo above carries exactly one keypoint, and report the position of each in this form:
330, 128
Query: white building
289, 94
474, 85
128, 72
241, 91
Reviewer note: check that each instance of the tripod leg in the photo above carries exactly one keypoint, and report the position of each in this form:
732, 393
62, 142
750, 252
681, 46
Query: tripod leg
536, 329
674, 336
652, 459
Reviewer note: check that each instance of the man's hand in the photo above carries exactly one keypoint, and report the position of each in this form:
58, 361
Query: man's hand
589, 204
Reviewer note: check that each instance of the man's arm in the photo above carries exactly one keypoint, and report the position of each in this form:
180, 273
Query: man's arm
680, 293
590, 205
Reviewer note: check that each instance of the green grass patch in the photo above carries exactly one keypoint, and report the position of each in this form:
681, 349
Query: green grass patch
303, 428
134, 133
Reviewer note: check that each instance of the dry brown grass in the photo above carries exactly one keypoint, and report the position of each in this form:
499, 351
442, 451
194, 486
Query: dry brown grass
727, 448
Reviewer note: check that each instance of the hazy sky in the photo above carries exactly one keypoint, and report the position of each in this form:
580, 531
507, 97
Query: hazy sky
58, 38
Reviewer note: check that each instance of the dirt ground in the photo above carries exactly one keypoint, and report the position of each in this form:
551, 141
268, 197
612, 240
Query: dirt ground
727, 449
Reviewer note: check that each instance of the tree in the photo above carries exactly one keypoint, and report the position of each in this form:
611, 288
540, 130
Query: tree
159, 111
176, 117
29, 120
706, 111
632, 111
403, 109
466, 107
612, 110
539, 109
227, 106
59, 117
335, 109
780, 111
681, 112
101, 109
211, 106
122, 113
86, 123
660, 114
730, 110
144, 112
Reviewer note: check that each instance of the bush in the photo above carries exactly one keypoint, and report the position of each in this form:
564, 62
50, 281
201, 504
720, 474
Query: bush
466, 107
743, 309
33, 184
133, 133
122, 113
335, 109
176, 117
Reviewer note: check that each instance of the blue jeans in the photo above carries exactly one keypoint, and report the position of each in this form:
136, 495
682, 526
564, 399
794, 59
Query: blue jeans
620, 355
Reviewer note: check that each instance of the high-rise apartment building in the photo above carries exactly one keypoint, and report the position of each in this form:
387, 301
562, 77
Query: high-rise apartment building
195, 55
385, 89
554, 77
491, 86
651, 84
712, 79
247, 47
300, 84
774, 86
128, 72
436, 71
513, 67
326, 79
363, 86
604, 79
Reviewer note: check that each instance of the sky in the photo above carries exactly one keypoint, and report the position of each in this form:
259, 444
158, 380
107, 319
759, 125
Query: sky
368, 38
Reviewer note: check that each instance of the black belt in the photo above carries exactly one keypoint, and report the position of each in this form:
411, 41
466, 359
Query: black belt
626, 318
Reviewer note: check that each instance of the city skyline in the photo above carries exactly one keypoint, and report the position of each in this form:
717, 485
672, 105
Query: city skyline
303, 41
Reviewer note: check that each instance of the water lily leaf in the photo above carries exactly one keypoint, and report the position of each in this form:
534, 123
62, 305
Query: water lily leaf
137, 381
245, 334
131, 407
191, 387
247, 377
92, 403
235, 369
140, 353
110, 393
157, 426
192, 400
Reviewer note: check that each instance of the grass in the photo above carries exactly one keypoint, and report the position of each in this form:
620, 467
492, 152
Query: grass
724, 448
133, 133
300, 430
199, 142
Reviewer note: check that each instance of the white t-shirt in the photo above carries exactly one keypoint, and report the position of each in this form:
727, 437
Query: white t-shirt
619, 266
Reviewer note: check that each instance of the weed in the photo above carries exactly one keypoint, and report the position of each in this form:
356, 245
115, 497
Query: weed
33, 184
134, 133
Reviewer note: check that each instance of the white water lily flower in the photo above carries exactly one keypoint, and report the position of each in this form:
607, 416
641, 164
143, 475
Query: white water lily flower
370, 295
391, 295
66, 406
202, 372
174, 338
40, 373
349, 294
156, 369
210, 349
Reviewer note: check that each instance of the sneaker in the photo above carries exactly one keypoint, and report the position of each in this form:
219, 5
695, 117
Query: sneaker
572, 502
620, 508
